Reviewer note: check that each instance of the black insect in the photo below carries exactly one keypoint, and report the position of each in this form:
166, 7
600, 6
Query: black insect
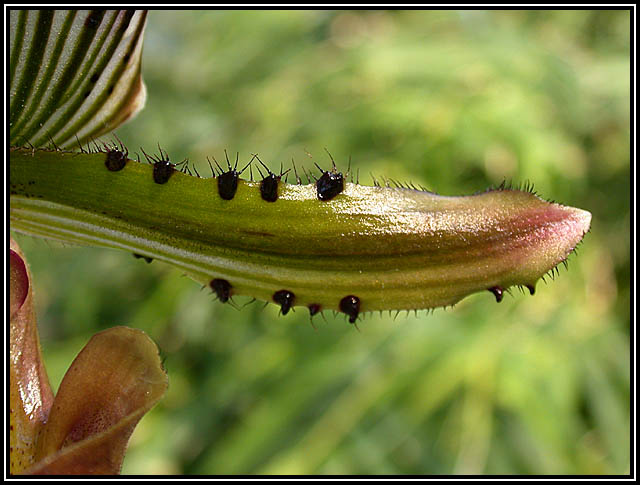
314, 308
498, 292
228, 184
351, 306
285, 299
329, 184
228, 181
139, 256
222, 288
162, 170
269, 187
116, 160
269, 184
162, 167
116, 156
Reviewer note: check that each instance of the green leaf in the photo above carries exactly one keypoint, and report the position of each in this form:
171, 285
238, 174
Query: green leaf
366, 249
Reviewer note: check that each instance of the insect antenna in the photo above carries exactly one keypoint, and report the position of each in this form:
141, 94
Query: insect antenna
161, 155
332, 160
308, 179
122, 147
227, 157
296, 172
149, 158
247, 165
262, 163
218, 165
183, 166
213, 174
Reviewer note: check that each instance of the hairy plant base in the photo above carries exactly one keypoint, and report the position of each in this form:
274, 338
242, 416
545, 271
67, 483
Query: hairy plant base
382, 248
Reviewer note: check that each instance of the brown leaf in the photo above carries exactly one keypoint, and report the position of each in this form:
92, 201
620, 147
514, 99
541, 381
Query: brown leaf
111, 384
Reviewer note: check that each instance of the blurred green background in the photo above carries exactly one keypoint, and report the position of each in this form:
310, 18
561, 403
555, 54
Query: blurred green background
452, 100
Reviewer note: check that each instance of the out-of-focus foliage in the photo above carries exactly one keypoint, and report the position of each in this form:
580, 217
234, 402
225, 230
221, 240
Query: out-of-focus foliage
455, 101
